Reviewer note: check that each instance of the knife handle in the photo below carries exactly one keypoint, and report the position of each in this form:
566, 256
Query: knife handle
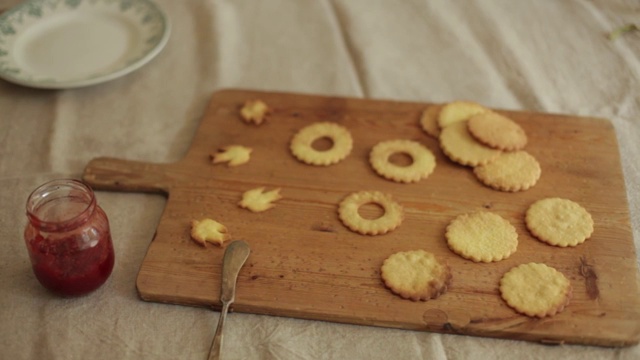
234, 258
216, 345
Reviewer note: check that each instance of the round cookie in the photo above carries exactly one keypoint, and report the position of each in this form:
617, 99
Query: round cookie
559, 222
301, 144
461, 147
511, 171
423, 161
482, 237
416, 275
535, 289
457, 111
429, 120
348, 213
497, 131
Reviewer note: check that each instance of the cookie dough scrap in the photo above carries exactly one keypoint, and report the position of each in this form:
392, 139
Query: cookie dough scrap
511, 172
497, 131
422, 165
462, 148
254, 111
536, 290
233, 155
482, 237
457, 111
258, 200
416, 275
302, 144
559, 222
208, 230
348, 213
429, 120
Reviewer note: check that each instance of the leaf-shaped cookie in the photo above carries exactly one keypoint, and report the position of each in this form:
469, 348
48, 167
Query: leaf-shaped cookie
233, 155
258, 200
254, 111
208, 230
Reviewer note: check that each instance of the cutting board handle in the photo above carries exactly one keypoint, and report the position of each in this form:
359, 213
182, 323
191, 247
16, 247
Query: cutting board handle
106, 173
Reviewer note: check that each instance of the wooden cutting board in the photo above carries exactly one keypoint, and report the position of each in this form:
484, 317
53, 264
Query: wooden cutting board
306, 264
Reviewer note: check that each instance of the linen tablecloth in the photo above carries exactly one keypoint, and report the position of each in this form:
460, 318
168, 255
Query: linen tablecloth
542, 55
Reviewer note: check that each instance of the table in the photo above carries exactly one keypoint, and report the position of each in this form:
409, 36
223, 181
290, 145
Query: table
542, 56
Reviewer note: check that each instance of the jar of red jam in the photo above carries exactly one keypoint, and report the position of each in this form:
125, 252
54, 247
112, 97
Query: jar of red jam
68, 238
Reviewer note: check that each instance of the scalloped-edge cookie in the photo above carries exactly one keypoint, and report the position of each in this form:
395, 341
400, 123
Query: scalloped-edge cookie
422, 165
429, 120
511, 171
457, 111
497, 131
482, 237
348, 213
536, 290
559, 222
416, 275
462, 148
302, 143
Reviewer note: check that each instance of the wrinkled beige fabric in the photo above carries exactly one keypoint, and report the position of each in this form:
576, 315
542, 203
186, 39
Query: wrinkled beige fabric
548, 56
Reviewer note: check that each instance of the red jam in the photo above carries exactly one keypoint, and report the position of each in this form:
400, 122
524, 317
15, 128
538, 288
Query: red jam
68, 238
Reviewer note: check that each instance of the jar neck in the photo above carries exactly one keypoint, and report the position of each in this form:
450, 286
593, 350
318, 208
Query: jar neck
60, 205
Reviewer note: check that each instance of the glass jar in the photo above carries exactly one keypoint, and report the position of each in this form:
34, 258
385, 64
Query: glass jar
68, 238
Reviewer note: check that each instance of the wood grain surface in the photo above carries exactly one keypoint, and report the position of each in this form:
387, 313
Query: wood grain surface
305, 264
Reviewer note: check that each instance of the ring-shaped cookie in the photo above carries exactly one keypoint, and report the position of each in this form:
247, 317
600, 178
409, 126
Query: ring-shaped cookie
301, 144
423, 160
348, 213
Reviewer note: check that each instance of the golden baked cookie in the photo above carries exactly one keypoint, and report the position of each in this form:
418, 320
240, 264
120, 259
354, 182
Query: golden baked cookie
429, 120
461, 147
497, 131
233, 155
559, 222
254, 111
511, 171
536, 290
208, 230
302, 143
350, 217
257, 200
416, 275
482, 237
457, 111
422, 165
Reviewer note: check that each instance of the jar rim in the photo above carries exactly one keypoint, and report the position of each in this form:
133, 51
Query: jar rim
43, 194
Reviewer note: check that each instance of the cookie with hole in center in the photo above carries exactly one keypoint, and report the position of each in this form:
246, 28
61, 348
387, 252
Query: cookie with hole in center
423, 162
302, 144
348, 212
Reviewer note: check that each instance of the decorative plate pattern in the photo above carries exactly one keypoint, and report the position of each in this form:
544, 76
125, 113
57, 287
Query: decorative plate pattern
71, 43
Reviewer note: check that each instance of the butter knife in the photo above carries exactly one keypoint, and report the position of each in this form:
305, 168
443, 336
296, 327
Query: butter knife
234, 258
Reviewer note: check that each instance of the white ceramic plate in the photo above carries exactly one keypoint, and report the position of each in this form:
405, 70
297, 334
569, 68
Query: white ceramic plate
58, 44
